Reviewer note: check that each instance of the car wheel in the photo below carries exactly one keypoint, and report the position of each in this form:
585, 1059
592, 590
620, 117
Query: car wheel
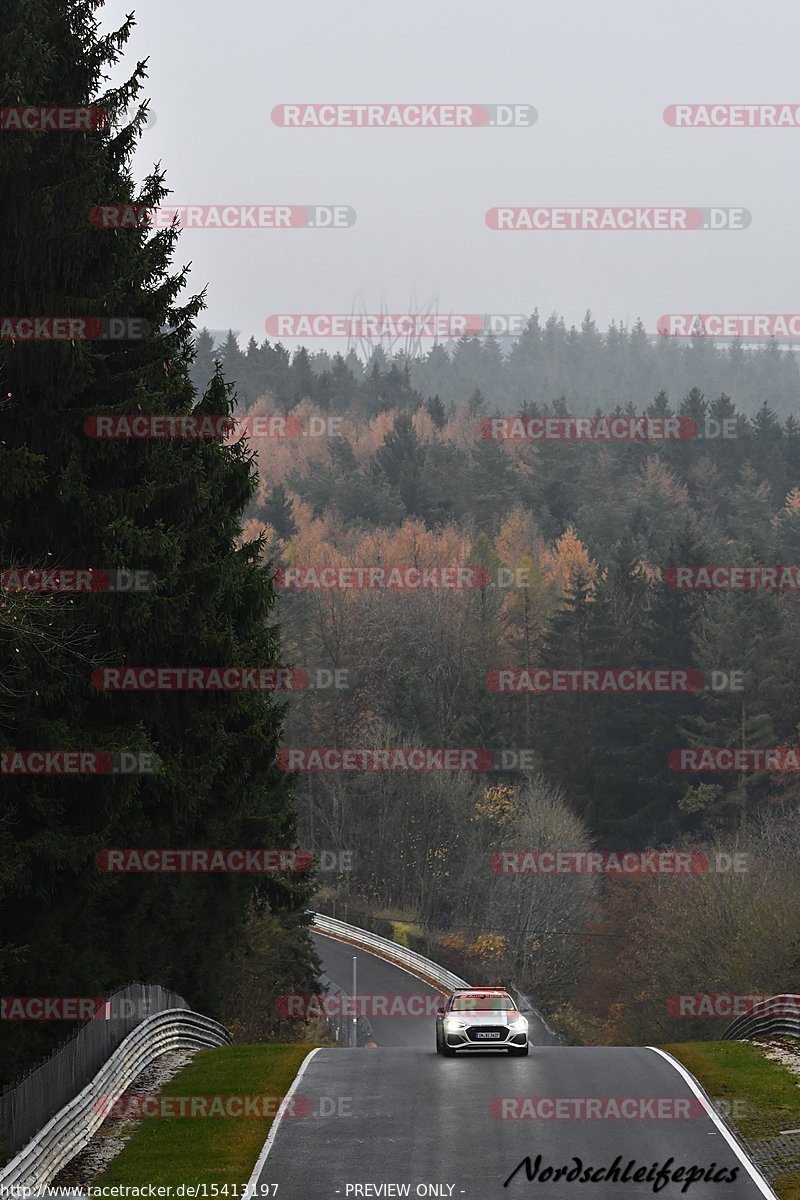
519, 1051
442, 1046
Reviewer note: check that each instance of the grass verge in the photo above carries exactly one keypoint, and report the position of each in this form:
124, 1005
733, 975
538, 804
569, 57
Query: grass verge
762, 1097
222, 1150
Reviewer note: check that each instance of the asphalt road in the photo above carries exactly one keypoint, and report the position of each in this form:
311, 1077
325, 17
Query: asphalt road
400, 1115
379, 978
384, 978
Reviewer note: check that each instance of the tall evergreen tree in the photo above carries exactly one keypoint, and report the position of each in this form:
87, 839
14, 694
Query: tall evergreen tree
171, 507
401, 458
564, 724
202, 369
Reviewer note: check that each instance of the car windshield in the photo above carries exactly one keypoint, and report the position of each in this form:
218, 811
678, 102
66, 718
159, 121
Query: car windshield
492, 1003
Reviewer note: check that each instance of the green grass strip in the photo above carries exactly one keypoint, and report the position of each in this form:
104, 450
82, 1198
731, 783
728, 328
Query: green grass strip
763, 1096
221, 1150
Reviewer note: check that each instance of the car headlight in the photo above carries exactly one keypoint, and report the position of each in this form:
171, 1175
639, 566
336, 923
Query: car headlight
519, 1026
454, 1023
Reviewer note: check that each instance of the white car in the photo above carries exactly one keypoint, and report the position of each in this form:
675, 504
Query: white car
475, 1019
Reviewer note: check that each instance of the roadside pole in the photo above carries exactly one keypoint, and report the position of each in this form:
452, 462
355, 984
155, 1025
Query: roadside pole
354, 1026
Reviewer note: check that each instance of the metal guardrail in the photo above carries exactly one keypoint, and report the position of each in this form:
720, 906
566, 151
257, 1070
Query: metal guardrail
540, 1031
27, 1104
71, 1129
383, 947
775, 1015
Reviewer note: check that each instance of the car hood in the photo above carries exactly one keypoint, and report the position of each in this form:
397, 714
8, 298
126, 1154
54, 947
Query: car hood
480, 1016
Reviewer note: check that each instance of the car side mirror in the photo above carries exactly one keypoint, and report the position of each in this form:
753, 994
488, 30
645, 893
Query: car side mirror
440, 1010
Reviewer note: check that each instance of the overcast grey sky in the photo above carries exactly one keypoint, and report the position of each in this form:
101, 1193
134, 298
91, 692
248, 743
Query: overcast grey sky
599, 76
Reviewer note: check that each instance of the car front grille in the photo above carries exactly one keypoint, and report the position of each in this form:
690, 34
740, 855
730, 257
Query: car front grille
500, 1030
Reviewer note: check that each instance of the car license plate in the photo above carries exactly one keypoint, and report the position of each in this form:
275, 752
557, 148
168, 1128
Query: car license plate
487, 1035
